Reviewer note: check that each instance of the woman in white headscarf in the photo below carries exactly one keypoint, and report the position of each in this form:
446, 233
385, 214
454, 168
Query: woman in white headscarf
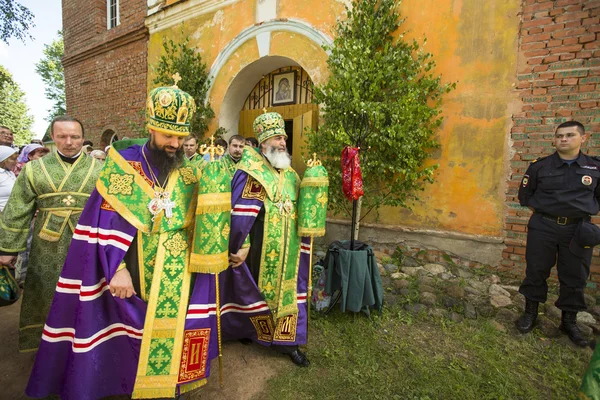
8, 161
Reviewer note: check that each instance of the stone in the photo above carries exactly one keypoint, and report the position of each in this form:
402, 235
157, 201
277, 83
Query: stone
500, 301
456, 317
470, 311
426, 280
552, 311
595, 310
589, 300
404, 292
381, 270
422, 272
428, 299
426, 289
455, 291
321, 254
585, 318
472, 291
519, 301
409, 261
434, 269
391, 268
415, 308
401, 284
411, 271
445, 276
463, 273
510, 288
398, 275
496, 290
548, 327
480, 286
492, 279
437, 313
498, 326
450, 302
587, 331
506, 315
487, 311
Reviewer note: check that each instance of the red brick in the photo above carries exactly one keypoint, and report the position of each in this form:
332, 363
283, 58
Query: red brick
536, 53
554, 27
590, 21
536, 38
556, 11
587, 104
554, 43
573, 8
536, 22
572, 40
571, 16
540, 68
568, 32
592, 45
564, 3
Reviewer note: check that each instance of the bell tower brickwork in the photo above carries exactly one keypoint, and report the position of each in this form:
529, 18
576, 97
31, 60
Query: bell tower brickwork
558, 79
105, 69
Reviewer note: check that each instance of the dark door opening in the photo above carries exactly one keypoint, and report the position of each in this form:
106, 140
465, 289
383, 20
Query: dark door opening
289, 130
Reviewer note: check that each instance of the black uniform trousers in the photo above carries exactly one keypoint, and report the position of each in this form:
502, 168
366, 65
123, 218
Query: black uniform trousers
547, 245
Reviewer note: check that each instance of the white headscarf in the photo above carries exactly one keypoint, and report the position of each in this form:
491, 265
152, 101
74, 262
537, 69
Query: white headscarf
6, 152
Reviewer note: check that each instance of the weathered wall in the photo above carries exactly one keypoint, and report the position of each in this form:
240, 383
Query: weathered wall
558, 80
105, 70
473, 45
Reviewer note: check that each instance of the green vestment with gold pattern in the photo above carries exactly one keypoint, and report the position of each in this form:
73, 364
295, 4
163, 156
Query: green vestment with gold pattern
59, 191
280, 253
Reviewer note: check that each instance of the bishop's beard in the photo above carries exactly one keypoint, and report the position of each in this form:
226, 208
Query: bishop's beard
164, 162
278, 159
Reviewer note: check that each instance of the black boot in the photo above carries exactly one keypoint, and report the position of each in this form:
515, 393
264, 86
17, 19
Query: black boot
526, 322
568, 325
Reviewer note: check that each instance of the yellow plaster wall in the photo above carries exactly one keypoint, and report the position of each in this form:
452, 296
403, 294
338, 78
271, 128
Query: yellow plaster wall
473, 44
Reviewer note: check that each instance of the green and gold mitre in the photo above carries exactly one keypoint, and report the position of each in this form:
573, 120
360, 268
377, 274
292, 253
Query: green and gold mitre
210, 250
312, 203
169, 110
268, 125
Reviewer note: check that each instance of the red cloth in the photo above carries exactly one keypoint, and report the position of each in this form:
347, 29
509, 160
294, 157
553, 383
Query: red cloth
352, 184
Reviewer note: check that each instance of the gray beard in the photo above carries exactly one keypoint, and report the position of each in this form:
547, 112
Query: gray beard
278, 159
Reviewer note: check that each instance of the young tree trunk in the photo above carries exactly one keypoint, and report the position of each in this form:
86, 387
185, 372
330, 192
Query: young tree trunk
357, 226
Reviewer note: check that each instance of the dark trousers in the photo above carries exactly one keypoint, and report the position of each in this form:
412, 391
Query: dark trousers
547, 245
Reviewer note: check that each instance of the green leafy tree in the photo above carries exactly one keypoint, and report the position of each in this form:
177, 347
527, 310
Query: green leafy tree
15, 21
181, 58
383, 97
14, 113
50, 69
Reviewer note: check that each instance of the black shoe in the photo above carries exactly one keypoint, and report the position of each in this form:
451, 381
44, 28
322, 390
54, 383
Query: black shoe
299, 358
569, 326
526, 322
245, 341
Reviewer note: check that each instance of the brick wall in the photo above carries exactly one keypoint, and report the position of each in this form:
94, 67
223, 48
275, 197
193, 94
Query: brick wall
105, 70
558, 79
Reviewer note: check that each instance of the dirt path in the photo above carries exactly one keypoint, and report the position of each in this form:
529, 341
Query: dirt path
246, 369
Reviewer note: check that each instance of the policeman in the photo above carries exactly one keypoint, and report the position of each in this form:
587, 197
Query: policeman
562, 190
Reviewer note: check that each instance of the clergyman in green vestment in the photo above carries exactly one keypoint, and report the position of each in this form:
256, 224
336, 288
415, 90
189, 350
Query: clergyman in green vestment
58, 185
233, 154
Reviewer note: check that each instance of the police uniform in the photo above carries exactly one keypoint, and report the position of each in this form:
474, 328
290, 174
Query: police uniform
562, 193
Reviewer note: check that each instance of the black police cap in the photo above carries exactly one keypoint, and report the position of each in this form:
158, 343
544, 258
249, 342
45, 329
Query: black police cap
586, 237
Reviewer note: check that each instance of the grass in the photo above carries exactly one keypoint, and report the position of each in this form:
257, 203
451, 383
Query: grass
401, 356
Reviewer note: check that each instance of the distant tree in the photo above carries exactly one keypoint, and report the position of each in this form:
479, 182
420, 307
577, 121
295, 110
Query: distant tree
15, 21
50, 69
183, 59
14, 113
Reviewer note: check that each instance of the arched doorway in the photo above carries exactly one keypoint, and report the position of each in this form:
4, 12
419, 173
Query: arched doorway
256, 88
288, 91
108, 137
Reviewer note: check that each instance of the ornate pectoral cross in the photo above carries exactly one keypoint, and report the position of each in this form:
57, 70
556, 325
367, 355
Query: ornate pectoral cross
168, 206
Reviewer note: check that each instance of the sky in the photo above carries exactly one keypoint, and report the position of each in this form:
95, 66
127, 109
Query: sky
19, 58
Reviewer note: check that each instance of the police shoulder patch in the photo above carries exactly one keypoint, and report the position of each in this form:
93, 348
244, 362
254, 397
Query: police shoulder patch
253, 190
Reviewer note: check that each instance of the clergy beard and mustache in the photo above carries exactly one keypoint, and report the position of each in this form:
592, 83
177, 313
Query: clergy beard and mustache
163, 161
278, 159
